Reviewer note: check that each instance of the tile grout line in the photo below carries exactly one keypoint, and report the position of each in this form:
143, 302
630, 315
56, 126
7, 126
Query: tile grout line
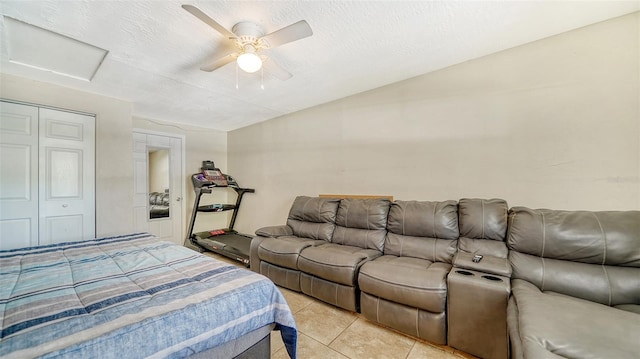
271, 355
338, 336
411, 350
305, 307
325, 345
342, 332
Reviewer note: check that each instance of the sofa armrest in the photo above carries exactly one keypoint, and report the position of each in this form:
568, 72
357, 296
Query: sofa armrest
275, 231
488, 264
254, 259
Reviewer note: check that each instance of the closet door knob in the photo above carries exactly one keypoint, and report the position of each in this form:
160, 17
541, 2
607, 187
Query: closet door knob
178, 199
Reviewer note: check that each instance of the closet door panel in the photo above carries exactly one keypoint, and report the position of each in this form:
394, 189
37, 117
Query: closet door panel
66, 228
64, 173
67, 180
18, 175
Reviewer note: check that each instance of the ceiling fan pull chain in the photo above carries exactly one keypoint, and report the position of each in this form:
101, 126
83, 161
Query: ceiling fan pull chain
236, 76
262, 78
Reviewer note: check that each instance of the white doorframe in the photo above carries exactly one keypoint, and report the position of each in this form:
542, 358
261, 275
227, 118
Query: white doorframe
182, 184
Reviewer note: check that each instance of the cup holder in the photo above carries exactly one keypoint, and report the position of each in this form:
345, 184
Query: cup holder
464, 272
492, 278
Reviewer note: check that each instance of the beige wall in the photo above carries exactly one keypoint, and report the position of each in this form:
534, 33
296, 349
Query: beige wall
553, 124
200, 144
114, 178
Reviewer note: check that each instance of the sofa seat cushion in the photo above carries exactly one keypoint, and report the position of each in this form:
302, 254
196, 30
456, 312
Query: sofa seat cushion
415, 282
284, 251
552, 323
335, 262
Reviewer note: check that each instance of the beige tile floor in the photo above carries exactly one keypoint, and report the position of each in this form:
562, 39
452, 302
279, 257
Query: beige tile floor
325, 331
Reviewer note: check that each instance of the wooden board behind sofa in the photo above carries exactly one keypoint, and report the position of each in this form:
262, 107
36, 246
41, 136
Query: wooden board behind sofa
343, 196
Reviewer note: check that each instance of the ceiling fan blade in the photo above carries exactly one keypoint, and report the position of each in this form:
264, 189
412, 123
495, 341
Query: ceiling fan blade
276, 70
219, 62
208, 20
293, 32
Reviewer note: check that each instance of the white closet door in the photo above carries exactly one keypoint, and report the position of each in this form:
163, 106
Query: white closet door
18, 175
67, 176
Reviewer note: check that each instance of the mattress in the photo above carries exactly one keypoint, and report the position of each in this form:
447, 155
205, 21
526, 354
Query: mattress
130, 296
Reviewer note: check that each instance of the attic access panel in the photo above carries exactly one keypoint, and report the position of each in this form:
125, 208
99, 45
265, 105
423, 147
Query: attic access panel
45, 50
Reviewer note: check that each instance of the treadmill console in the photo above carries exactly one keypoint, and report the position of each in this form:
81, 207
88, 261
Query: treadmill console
212, 177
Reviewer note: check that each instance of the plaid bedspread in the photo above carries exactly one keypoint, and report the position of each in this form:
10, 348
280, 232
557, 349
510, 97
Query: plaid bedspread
131, 296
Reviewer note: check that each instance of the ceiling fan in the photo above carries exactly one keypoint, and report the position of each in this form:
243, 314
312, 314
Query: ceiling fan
250, 40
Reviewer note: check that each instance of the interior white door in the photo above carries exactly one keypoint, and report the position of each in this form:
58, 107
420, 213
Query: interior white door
18, 175
67, 176
168, 228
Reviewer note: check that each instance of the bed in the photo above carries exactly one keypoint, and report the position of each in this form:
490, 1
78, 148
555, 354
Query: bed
134, 296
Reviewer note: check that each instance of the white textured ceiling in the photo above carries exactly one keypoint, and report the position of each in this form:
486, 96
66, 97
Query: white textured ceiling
156, 48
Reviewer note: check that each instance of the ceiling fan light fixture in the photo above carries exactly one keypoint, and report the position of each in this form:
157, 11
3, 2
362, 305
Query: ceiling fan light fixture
249, 62
249, 38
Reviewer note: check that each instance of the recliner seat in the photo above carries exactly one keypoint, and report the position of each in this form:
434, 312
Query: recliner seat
406, 288
330, 270
275, 250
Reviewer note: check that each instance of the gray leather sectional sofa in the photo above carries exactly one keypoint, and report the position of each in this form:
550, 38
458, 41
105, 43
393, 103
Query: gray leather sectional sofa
472, 273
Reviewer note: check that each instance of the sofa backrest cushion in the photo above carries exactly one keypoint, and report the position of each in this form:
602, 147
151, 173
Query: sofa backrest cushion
362, 223
483, 226
420, 229
160, 199
313, 217
590, 255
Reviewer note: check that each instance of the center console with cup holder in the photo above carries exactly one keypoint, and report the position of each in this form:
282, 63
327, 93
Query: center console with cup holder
479, 282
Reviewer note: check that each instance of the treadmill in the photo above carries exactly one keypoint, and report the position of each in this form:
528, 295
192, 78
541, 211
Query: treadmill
225, 241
